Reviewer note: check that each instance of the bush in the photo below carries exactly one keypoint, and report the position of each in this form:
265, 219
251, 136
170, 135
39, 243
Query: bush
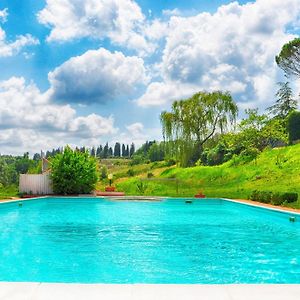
141, 187
274, 198
103, 172
73, 172
278, 199
290, 197
130, 172
170, 162
150, 175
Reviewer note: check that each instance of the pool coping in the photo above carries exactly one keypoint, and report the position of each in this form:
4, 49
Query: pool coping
74, 291
71, 291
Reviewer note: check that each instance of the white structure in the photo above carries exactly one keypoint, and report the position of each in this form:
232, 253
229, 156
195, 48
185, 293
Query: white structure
39, 184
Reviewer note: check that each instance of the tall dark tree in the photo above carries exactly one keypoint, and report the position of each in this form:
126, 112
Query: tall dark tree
285, 102
127, 151
36, 156
123, 150
99, 151
132, 150
117, 150
289, 58
93, 152
110, 152
105, 151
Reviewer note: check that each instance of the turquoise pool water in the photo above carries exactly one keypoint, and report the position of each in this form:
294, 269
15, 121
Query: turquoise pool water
103, 241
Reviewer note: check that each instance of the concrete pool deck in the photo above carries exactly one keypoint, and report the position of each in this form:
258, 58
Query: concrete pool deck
61, 291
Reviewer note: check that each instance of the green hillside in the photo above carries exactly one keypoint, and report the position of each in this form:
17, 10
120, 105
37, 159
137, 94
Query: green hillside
276, 170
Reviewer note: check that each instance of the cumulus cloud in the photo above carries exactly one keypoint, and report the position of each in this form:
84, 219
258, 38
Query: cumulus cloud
10, 48
134, 132
162, 93
27, 118
121, 21
97, 76
232, 49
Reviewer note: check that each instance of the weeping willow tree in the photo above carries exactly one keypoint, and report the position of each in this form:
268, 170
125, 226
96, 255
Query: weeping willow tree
195, 120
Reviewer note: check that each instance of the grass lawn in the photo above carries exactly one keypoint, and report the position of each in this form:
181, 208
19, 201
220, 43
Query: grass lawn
276, 170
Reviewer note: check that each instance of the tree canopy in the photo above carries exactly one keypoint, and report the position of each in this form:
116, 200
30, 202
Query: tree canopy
73, 172
195, 120
285, 102
289, 58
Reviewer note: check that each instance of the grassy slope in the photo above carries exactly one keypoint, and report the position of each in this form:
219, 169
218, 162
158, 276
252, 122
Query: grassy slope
8, 192
274, 170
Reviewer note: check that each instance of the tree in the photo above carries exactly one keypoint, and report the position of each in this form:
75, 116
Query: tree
123, 150
110, 152
156, 152
99, 151
73, 172
105, 151
289, 58
36, 156
93, 152
293, 126
132, 150
117, 150
195, 120
285, 102
127, 151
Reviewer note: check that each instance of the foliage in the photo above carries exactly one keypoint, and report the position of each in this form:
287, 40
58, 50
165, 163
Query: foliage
285, 103
141, 187
130, 172
277, 198
12, 166
73, 172
231, 180
293, 126
194, 121
103, 174
289, 57
156, 152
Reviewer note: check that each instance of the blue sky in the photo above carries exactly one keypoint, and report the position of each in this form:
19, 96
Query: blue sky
84, 72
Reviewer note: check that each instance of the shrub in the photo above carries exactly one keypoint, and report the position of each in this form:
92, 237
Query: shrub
290, 197
277, 199
274, 198
141, 187
150, 175
73, 172
103, 172
130, 172
265, 197
293, 126
170, 162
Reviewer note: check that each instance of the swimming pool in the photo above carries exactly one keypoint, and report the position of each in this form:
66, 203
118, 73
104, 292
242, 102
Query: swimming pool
89, 240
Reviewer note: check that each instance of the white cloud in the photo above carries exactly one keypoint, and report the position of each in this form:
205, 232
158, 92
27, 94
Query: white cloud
97, 76
10, 48
232, 49
161, 93
137, 133
121, 21
28, 120
3, 15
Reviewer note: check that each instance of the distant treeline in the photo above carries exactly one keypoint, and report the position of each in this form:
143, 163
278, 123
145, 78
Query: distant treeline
106, 151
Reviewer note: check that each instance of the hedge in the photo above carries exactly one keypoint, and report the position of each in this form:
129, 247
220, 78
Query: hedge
273, 198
